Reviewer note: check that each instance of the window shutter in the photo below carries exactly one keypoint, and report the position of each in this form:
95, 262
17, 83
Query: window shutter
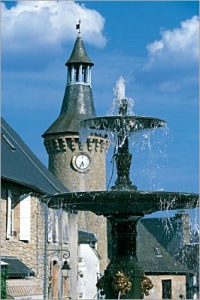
25, 219
55, 227
9, 215
65, 227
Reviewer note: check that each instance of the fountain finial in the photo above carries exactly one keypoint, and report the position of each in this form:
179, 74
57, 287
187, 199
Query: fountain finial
123, 107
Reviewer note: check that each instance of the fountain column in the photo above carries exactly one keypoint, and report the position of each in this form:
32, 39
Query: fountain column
123, 164
123, 276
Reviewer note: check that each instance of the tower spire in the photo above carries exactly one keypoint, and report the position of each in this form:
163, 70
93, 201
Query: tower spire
78, 100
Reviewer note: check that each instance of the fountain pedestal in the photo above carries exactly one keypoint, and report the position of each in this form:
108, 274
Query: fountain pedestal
124, 274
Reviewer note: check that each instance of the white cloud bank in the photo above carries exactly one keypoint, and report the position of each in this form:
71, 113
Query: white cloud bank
177, 45
35, 24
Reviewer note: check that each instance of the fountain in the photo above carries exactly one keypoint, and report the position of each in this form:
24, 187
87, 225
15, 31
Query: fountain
123, 204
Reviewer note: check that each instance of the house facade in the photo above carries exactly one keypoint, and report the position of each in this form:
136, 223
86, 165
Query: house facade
24, 180
173, 262
88, 265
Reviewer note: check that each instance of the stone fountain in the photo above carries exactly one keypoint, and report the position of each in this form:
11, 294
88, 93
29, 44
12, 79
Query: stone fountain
123, 204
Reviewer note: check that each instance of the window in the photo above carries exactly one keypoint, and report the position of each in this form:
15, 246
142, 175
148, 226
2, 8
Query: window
69, 74
25, 219
50, 225
55, 233
167, 289
158, 252
65, 232
76, 73
57, 226
10, 216
84, 74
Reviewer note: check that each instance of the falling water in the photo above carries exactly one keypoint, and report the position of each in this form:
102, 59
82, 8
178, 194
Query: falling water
150, 154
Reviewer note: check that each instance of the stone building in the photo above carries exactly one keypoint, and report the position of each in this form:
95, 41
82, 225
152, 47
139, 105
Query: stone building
173, 257
167, 274
79, 165
24, 181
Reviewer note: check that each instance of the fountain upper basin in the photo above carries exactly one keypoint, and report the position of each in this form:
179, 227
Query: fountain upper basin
119, 123
122, 202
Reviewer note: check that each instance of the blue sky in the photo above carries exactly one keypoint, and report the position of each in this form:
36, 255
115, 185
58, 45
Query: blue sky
154, 45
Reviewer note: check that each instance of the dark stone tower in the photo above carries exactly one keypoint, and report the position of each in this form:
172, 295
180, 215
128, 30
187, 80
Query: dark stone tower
79, 166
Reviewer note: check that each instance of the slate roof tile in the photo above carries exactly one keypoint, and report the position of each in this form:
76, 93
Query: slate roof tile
20, 165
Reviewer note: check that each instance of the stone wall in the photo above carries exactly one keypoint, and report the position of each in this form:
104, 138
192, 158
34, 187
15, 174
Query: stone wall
178, 286
61, 149
32, 252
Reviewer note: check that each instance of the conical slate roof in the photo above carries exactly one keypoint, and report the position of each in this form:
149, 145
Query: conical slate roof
78, 99
79, 54
77, 106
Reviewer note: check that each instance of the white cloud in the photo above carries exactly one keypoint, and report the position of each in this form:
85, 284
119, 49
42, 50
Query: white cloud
35, 24
177, 45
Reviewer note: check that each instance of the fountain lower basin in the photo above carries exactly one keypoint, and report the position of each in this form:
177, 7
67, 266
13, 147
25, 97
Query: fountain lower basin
123, 202
123, 209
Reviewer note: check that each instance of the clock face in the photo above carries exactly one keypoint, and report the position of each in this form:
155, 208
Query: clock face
82, 161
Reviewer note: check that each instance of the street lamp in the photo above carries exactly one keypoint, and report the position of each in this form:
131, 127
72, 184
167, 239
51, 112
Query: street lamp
65, 269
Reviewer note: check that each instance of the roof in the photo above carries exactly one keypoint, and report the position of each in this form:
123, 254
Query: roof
158, 259
20, 165
79, 54
168, 231
86, 237
189, 256
77, 106
157, 226
23, 288
16, 268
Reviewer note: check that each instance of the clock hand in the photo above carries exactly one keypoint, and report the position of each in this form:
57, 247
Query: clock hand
82, 164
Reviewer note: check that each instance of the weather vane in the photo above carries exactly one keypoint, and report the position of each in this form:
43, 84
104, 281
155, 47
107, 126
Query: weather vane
78, 27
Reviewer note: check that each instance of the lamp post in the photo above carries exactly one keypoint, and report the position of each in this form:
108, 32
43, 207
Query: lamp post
65, 269
65, 274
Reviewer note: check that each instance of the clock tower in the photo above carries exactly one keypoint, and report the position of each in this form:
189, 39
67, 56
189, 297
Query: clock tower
80, 166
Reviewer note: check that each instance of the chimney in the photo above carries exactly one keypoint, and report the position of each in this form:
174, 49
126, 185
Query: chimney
183, 221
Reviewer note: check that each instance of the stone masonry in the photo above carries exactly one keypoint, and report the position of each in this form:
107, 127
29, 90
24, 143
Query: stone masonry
31, 252
178, 286
61, 149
